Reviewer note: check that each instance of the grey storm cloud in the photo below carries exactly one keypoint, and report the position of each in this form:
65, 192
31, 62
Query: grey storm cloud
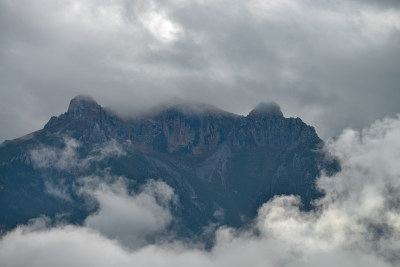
333, 63
356, 223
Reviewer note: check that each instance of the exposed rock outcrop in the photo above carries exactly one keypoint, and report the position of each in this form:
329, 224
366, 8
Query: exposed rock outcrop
213, 159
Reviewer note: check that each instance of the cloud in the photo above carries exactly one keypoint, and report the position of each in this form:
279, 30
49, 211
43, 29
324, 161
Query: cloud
359, 212
61, 159
131, 218
67, 158
357, 223
109, 149
316, 59
59, 190
161, 27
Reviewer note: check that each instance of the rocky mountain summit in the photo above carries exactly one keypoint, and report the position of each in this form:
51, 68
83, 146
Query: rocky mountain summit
189, 128
221, 166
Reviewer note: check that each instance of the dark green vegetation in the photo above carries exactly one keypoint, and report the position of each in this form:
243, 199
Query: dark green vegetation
221, 166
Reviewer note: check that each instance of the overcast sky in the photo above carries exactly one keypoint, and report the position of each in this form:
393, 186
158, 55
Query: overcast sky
335, 64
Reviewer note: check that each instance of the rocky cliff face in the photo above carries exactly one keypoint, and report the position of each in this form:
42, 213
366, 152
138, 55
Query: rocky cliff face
185, 128
214, 160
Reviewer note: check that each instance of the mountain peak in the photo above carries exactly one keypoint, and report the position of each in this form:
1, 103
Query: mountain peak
217, 150
84, 107
81, 107
267, 109
82, 102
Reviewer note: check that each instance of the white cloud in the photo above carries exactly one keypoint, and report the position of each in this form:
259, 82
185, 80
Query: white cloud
161, 27
102, 151
58, 191
129, 218
51, 157
68, 159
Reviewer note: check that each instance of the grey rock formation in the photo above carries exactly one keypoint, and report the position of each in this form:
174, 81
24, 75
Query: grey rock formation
214, 160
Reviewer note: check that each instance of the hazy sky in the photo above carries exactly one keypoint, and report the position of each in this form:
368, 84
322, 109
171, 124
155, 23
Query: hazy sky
335, 64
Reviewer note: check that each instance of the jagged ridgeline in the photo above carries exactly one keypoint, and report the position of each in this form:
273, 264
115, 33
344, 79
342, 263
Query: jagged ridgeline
221, 166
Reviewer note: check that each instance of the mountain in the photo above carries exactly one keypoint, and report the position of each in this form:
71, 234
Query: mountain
221, 166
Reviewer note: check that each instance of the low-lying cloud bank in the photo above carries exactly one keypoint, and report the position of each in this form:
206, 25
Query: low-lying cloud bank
129, 218
357, 223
